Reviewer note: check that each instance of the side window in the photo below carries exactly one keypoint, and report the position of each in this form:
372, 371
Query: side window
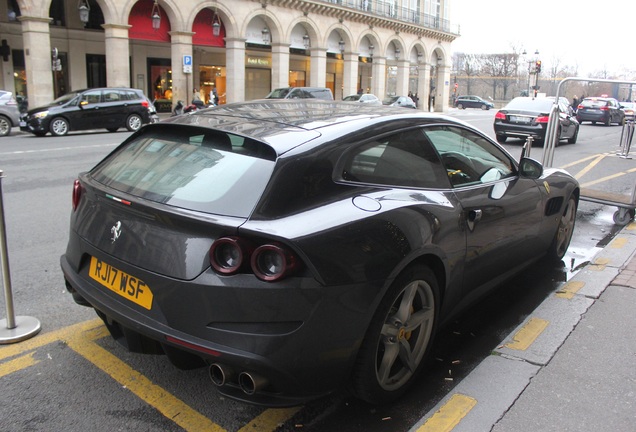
468, 158
405, 159
91, 97
111, 96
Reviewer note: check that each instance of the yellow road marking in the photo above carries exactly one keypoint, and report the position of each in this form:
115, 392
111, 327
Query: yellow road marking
81, 338
569, 289
42, 339
17, 364
577, 162
449, 415
269, 419
528, 334
618, 243
603, 179
155, 396
589, 166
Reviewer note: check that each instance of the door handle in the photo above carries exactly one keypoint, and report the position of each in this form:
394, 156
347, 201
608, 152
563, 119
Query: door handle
474, 216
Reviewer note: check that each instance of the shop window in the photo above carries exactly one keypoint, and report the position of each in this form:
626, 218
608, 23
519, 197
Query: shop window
160, 80
56, 12
96, 70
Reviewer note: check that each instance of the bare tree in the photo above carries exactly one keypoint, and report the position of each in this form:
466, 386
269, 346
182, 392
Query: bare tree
500, 70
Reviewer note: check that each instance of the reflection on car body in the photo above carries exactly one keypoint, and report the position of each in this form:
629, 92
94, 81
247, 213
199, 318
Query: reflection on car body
96, 108
297, 247
525, 117
463, 102
600, 109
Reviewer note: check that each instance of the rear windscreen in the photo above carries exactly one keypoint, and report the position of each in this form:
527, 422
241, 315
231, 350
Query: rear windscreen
193, 168
593, 103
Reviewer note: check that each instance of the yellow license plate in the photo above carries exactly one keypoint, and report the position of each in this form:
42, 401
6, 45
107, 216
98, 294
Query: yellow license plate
122, 283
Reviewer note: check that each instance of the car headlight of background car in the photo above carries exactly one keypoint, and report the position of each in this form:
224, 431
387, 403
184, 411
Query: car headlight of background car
41, 114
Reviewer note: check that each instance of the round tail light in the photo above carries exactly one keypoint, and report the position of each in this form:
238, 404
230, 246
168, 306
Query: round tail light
272, 262
228, 254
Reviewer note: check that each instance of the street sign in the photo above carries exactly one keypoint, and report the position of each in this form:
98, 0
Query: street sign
187, 64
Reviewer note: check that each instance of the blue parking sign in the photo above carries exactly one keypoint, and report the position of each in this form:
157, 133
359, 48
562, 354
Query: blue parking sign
187, 60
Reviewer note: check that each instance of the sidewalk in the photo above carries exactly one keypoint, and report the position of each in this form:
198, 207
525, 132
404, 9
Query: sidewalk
570, 366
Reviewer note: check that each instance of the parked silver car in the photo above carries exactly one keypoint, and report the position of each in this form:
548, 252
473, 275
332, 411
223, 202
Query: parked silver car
9, 113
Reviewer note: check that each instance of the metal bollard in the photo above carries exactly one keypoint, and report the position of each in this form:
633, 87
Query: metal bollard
21, 327
626, 139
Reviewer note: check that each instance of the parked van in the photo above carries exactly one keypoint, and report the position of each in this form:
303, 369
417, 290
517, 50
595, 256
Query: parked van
301, 93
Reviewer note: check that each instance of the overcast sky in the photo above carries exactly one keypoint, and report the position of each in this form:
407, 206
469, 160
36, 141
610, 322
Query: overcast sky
595, 35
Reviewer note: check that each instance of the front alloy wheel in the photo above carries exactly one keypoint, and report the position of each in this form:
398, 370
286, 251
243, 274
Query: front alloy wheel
398, 338
59, 126
565, 230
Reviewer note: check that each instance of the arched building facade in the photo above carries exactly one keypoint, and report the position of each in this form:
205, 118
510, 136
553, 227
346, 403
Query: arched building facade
240, 48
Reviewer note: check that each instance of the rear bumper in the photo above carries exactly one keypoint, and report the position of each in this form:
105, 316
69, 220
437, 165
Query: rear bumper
301, 359
537, 132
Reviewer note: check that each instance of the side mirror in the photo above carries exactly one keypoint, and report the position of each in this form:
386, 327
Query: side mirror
530, 168
82, 103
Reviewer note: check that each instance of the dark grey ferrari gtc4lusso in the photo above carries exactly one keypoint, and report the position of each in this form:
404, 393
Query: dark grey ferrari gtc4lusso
298, 247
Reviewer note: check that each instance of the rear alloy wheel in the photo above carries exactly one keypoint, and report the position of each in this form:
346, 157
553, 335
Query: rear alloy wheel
134, 122
563, 236
59, 126
398, 338
460, 106
5, 126
501, 139
485, 107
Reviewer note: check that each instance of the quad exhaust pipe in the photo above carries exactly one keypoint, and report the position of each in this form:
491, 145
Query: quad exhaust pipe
248, 382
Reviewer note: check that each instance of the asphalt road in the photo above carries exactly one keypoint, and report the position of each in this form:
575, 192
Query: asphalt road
73, 377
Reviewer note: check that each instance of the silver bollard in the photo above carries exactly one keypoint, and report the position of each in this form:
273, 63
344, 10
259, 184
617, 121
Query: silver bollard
21, 327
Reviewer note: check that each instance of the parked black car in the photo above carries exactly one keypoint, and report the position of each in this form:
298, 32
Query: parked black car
524, 116
463, 102
97, 108
301, 93
600, 109
295, 247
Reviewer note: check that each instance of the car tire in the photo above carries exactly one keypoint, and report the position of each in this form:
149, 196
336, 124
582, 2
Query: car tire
460, 106
399, 337
134, 122
574, 137
564, 232
608, 122
501, 139
59, 126
485, 107
5, 126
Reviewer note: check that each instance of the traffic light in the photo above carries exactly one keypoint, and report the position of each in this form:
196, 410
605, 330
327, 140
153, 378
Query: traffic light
537, 66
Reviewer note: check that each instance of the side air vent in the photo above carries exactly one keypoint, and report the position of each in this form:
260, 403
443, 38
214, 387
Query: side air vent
553, 206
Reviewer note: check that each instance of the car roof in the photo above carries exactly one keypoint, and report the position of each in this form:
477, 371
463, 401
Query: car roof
285, 124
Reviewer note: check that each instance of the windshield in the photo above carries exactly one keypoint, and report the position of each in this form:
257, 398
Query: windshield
280, 93
65, 98
390, 100
529, 104
192, 168
352, 98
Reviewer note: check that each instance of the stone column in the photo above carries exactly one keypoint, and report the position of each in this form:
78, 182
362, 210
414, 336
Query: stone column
402, 87
350, 74
442, 88
181, 82
235, 69
37, 58
379, 77
423, 85
318, 72
117, 55
280, 65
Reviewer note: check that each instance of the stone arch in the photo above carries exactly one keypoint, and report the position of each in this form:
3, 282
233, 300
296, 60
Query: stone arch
225, 15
